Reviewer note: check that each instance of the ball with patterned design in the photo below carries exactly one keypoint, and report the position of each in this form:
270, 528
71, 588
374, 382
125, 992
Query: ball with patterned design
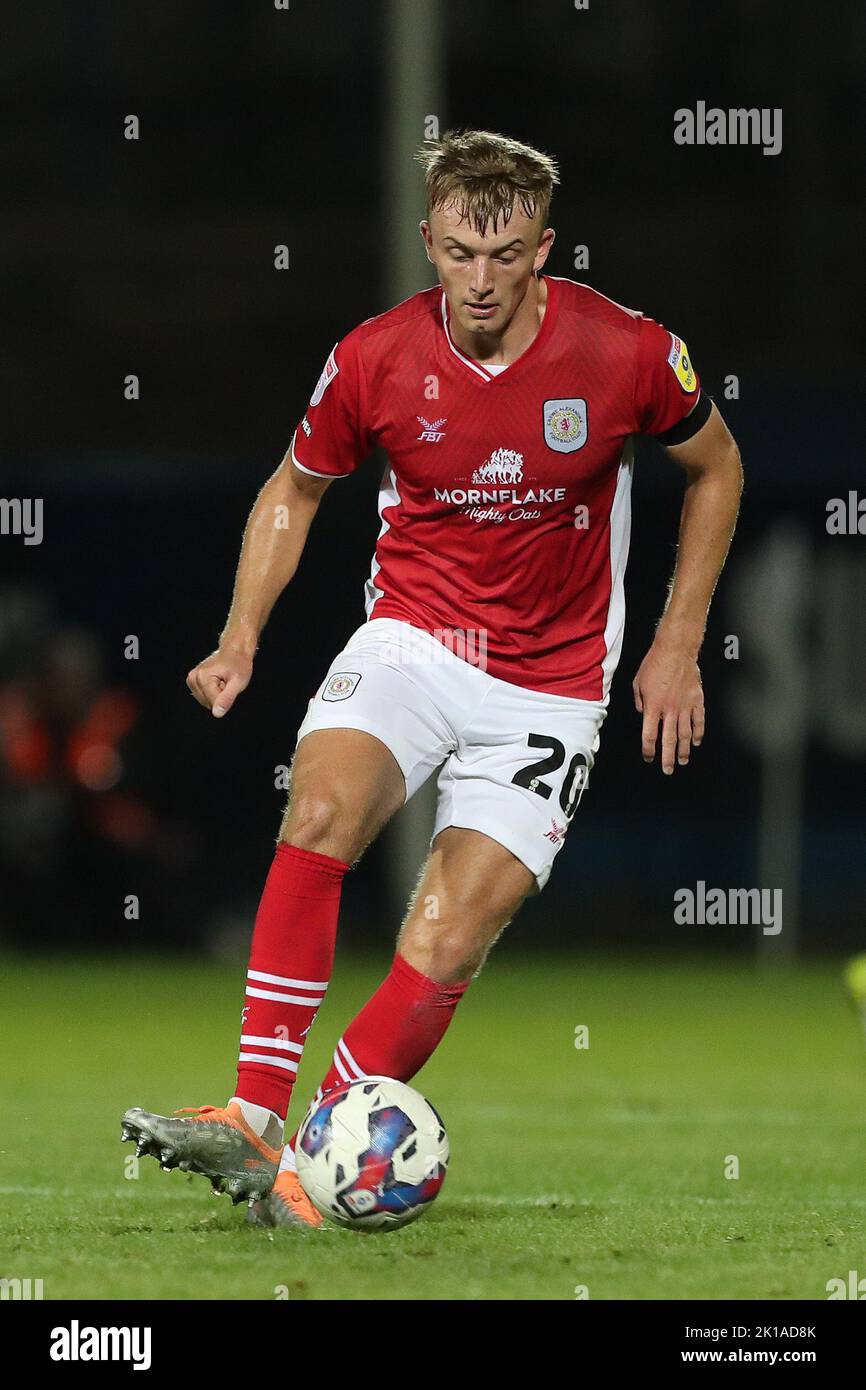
372, 1155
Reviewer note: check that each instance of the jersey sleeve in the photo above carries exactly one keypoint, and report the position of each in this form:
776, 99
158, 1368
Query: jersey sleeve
332, 438
667, 388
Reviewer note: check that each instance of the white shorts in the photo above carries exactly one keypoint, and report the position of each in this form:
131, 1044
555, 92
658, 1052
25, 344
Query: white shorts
513, 763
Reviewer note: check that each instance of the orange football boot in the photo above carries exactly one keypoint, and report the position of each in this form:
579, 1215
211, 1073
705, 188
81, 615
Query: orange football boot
287, 1204
216, 1142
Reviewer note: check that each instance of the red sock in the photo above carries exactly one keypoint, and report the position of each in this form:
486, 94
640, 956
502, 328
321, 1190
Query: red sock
290, 966
397, 1030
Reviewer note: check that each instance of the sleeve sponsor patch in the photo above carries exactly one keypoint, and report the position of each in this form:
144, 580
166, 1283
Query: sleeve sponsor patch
329, 371
681, 364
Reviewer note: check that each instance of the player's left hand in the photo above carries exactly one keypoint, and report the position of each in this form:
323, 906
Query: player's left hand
667, 691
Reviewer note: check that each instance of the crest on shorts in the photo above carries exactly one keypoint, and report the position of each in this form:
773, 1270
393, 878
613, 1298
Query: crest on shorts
341, 685
565, 424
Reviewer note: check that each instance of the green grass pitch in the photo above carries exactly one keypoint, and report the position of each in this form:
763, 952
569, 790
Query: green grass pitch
601, 1167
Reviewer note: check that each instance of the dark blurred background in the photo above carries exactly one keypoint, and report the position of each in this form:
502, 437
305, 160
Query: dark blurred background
127, 817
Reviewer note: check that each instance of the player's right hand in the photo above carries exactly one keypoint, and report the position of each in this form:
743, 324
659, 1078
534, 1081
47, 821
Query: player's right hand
218, 680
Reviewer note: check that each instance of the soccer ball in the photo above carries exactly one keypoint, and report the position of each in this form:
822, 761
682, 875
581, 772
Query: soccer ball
372, 1155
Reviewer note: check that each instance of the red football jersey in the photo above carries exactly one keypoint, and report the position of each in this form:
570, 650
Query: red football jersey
505, 502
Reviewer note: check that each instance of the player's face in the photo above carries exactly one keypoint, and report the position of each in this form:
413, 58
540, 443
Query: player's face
485, 277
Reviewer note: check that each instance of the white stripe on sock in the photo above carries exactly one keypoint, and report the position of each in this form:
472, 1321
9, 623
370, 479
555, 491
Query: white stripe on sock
269, 1061
341, 1047
285, 980
283, 998
284, 1046
341, 1069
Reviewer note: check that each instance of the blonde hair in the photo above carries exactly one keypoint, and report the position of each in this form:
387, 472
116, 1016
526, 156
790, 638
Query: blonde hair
483, 176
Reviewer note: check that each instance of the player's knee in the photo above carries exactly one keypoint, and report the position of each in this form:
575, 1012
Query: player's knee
319, 822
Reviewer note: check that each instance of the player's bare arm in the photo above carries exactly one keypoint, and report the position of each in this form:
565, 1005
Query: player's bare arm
273, 542
667, 687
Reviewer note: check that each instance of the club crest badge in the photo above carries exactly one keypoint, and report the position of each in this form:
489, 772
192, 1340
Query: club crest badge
565, 424
341, 685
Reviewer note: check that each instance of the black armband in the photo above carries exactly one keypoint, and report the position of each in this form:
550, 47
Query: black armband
690, 424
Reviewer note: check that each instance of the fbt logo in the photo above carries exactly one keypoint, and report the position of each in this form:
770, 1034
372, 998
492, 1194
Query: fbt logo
556, 833
431, 431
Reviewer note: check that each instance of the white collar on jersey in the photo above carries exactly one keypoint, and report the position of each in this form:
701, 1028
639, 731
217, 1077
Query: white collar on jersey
470, 361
